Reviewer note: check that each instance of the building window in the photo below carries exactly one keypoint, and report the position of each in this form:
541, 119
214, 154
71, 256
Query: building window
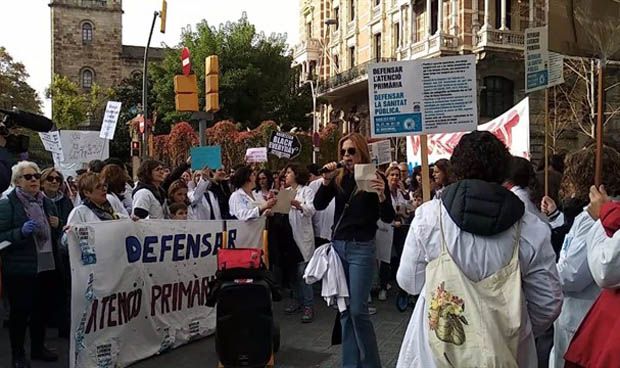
309, 30
377, 46
496, 97
336, 62
396, 36
351, 56
498, 14
87, 78
352, 10
434, 10
337, 18
377, 2
87, 33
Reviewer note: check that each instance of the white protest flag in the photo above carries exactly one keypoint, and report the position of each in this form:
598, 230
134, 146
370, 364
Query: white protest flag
110, 118
139, 288
512, 127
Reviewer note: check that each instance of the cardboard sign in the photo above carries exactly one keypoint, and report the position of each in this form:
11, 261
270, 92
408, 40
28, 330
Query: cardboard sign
256, 155
209, 156
284, 145
380, 152
423, 96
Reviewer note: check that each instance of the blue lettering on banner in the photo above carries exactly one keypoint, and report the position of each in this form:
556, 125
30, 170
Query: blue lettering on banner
177, 247
401, 123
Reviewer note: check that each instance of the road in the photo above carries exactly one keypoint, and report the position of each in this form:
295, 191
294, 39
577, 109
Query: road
302, 345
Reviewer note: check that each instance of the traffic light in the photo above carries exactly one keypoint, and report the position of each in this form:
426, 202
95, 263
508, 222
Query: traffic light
135, 148
212, 75
186, 89
162, 15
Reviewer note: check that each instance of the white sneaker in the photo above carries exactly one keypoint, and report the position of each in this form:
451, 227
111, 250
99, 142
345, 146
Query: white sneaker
382, 295
372, 310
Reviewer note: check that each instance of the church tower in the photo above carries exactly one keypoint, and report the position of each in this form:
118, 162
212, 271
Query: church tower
87, 41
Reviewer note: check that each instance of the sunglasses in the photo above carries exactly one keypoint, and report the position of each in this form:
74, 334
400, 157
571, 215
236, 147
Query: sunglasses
31, 176
350, 151
52, 179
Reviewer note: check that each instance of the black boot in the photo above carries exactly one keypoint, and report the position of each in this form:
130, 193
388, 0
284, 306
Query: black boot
43, 354
20, 363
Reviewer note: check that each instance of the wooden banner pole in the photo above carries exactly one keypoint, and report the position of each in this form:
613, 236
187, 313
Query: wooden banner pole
546, 141
598, 164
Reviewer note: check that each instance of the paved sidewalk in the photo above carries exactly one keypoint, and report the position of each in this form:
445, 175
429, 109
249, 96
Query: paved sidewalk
302, 345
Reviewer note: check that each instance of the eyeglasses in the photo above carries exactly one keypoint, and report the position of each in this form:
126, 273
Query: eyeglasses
351, 151
52, 179
31, 176
159, 168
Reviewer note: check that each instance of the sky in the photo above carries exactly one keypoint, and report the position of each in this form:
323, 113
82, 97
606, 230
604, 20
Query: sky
25, 27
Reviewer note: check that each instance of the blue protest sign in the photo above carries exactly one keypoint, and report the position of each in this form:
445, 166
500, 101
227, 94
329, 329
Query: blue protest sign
209, 156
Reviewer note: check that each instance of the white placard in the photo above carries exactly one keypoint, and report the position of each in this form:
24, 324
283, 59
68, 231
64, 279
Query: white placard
423, 96
536, 59
139, 288
258, 154
380, 152
110, 118
51, 141
83, 146
556, 69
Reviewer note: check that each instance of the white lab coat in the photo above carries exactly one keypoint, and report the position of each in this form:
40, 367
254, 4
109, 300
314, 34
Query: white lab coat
199, 206
478, 257
326, 265
116, 204
604, 257
145, 199
301, 221
242, 206
82, 214
323, 221
524, 196
580, 290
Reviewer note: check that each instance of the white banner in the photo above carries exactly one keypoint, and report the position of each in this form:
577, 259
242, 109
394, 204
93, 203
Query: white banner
139, 288
512, 127
51, 141
423, 96
110, 118
82, 146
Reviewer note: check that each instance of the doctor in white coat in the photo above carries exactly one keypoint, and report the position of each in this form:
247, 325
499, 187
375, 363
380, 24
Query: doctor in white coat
95, 205
300, 218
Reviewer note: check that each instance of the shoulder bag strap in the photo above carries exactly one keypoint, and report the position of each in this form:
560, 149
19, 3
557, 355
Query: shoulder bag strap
346, 205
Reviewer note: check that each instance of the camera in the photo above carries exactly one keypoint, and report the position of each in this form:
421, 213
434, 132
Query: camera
18, 143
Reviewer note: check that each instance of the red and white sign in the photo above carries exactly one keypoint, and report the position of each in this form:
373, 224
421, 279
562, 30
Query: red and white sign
512, 127
187, 65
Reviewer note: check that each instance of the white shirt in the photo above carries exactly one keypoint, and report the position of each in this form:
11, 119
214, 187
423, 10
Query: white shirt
322, 221
200, 208
479, 257
128, 197
524, 196
604, 257
116, 204
145, 200
580, 290
326, 265
301, 221
242, 206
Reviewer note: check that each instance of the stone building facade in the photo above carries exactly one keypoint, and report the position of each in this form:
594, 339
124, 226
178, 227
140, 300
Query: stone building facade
87, 43
339, 38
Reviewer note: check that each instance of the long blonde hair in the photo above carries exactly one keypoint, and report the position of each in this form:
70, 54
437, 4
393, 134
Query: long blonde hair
361, 145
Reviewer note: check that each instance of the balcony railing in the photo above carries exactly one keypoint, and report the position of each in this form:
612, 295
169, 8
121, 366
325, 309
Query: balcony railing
500, 39
431, 46
307, 45
349, 76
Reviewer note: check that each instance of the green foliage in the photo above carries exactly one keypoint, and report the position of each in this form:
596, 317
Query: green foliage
71, 107
256, 79
14, 89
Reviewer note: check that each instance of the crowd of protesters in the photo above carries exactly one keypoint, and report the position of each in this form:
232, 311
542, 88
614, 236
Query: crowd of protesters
503, 274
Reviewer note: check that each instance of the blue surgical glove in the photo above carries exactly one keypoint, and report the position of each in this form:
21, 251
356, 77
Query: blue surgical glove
29, 227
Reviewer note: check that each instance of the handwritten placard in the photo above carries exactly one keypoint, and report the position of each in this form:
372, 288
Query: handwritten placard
110, 118
51, 142
256, 155
82, 146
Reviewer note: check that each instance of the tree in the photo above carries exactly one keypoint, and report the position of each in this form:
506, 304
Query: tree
256, 80
14, 89
71, 107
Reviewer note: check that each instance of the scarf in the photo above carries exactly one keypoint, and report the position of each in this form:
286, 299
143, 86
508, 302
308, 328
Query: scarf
104, 212
57, 198
33, 206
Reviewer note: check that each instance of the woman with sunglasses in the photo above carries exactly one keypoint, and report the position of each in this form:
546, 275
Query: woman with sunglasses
28, 220
356, 216
95, 206
149, 197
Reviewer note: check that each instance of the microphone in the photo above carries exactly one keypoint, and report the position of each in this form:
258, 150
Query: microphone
338, 166
28, 120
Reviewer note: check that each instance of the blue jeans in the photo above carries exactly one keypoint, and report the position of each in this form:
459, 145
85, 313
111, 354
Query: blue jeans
359, 343
305, 295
